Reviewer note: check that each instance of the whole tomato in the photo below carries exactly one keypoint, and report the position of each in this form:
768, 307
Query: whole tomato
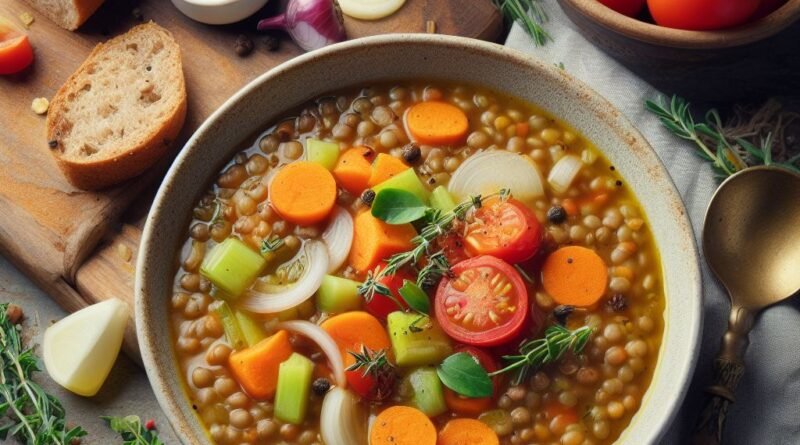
631, 8
702, 14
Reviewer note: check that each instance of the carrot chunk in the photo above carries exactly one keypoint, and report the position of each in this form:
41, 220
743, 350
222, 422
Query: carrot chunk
402, 425
467, 432
256, 368
374, 241
437, 123
351, 330
303, 192
385, 167
353, 169
575, 275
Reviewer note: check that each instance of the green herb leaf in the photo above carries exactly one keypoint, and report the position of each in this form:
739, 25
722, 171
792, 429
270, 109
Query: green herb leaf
416, 298
132, 431
463, 374
271, 244
396, 206
529, 14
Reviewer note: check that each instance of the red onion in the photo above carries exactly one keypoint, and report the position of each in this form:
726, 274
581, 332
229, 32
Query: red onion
311, 23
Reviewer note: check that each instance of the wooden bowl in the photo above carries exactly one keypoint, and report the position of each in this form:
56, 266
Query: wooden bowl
752, 61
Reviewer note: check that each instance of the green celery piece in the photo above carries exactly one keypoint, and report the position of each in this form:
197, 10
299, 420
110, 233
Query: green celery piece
233, 332
252, 330
442, 199
294, 386
428, 391
232, 266
417, 343
406, 180
337, 295
322, 152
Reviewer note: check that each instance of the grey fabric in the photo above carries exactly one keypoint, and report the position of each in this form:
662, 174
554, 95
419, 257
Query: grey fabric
768, 407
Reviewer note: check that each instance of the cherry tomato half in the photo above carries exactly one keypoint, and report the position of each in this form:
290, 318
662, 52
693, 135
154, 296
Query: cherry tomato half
484, 303
466, 406
631, 8
506, 229
16, 52
701, 14
381, 305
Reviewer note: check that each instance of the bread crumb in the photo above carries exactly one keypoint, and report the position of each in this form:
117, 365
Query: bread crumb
124, 252
27, 19
40, 105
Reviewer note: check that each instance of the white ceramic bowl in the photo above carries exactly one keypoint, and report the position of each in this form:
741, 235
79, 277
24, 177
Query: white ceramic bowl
420, 56
218, 12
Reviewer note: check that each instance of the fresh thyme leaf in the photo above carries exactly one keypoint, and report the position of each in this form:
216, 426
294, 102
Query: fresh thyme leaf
416, 298
27, 412
463, 374
369, 361
529, 14
437, 267
271, 244
132, 431
395, 206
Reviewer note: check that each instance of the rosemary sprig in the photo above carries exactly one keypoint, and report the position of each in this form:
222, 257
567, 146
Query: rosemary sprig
529, 14
271, 244
534, 354
27, 412
727, 157
437, 267
369, 361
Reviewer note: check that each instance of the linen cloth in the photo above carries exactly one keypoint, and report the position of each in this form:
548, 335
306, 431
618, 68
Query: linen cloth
767, 411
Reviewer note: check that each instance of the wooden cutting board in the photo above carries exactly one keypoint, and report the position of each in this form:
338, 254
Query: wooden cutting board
81, 247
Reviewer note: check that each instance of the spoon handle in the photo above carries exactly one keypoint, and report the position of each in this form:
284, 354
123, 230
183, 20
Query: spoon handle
728, 370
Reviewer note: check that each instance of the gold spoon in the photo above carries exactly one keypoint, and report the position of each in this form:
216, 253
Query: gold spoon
751, 240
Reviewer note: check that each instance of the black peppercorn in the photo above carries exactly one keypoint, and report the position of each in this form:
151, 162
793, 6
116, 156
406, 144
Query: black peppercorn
556, 215
320, 386
53, 143
272, 43
562, 312
368, 196
244, 46
618, 302
411, 153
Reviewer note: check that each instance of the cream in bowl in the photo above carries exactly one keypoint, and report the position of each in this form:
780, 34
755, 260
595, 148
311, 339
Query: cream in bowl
218, 12
424, 244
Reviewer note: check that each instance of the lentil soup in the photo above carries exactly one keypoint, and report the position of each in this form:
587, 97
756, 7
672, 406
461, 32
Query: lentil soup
435, 257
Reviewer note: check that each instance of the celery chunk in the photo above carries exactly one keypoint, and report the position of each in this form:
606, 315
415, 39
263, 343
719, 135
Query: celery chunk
294, 386
232, 266
233, 332
252, 330
406, 180
417, 339
428, 393
442, 199
322, 152
337, 295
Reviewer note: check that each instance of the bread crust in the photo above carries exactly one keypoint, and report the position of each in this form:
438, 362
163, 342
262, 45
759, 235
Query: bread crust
133, 160
83, 8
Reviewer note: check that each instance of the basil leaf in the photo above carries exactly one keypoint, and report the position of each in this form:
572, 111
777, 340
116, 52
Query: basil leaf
416, 298
396, 206
463, 374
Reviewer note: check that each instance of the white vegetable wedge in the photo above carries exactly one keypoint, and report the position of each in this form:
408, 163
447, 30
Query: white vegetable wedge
370, 9
80, 350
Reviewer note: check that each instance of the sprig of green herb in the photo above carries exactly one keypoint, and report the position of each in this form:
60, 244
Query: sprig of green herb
534, 354
271, 244
27, 412
529, 14
727, 157
133, 431
436, 268
369, 361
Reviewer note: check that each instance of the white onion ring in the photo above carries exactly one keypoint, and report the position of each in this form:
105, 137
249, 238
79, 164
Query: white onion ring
489, 171
291, 296
342, 419
325, 343
338, 236
564, 172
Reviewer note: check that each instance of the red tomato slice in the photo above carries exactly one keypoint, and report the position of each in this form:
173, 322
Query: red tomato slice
701, 14
16, 52
485, 303
631, 8
381, 305
361, 384
506, 229
466, 406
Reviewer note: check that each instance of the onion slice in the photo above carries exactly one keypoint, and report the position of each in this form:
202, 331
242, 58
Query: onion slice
324, 341
338, 237
564, 172
489, 171
290, 296
343, 420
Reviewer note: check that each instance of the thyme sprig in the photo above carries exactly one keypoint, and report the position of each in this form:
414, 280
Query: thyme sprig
533, 354
369, 361
529, 14
133, 431
726, 156
27, 412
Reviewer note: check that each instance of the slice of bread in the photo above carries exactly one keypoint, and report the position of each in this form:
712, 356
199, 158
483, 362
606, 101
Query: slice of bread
69, 14
121, 110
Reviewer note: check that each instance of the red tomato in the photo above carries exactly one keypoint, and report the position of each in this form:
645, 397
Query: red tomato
485, 303
361, 384
631, 8
16, 52
701, 14
467, 406
381, 305
506, 229
453, 246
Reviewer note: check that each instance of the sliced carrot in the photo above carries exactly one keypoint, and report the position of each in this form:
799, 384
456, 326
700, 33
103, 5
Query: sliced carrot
353, 169
303, 192
555, 409
522, 129
256, 368
570, 207
437, 123
402, 425
384, 167
351, 330
374, 241
575, 275
466, 406
467, 432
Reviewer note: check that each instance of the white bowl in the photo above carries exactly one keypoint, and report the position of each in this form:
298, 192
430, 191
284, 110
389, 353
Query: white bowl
219, 12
